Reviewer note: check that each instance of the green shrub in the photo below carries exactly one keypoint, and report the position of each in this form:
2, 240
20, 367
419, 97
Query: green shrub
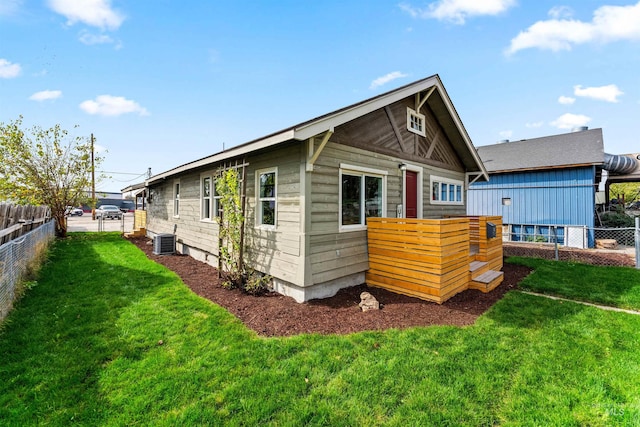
617, 220
257, 283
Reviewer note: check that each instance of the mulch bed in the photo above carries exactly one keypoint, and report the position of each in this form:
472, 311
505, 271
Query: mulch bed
277, 315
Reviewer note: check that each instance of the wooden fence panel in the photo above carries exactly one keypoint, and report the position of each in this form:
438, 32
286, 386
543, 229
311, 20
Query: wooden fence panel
428, 259
16, 220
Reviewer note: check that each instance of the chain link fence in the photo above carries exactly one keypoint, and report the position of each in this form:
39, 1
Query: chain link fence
17, 259
597, 246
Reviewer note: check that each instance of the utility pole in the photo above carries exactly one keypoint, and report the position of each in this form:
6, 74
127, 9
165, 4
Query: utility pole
93, 183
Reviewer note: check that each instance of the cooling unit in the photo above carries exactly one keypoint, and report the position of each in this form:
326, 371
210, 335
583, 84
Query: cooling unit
164, 244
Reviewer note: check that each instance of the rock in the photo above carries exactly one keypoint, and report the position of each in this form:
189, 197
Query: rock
368, 302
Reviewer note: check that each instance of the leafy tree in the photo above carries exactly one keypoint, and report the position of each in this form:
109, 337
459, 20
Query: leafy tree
45, 167
629, 190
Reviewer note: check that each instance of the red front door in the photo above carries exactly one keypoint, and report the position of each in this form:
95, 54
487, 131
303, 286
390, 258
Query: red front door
411, 187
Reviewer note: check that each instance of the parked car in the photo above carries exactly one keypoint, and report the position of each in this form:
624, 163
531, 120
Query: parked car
71, 211
109, 211
634, 205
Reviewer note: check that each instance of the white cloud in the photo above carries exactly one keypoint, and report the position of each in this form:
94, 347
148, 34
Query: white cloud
107, 105
95, 13
558, 12
570, 121
609, 93
386, 79
566, 100
9, 7
534, 125
609, 23
505, 134
9, 70
457, 11
91, 39
46, 95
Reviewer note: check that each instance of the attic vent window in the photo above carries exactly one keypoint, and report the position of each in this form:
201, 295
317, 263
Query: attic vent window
415, 122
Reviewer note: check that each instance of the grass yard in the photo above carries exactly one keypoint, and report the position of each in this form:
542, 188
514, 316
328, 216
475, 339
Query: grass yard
109, 338
614, 286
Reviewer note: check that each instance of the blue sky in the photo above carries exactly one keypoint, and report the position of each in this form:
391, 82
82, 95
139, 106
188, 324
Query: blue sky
161, 83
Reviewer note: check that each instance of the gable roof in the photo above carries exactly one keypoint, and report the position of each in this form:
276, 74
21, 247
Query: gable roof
583, 148
438, 101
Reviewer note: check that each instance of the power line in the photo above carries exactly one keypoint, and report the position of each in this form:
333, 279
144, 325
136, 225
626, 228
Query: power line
124, 173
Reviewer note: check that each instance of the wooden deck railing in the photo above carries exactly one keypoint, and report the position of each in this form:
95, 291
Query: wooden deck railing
426, 258
489, 250
431, 258
139, 219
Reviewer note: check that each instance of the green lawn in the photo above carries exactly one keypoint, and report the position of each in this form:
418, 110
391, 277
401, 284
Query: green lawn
614, 286
83, 347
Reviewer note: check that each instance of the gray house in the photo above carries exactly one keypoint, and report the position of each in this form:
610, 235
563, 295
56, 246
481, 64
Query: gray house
311, 187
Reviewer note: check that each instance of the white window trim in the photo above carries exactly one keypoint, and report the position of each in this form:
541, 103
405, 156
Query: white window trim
176, 198
359, 171
211, 197
258, 215
442, 180
412, 113
419, 170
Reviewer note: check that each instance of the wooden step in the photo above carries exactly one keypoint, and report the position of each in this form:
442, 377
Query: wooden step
487, 281
142, 232
477, 269
476, 265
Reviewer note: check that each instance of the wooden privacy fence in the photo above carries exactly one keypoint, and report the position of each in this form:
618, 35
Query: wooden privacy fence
139, 224
16, 220
434, 259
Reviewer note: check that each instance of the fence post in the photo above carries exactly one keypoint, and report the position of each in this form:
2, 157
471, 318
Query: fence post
637, 236
555, 240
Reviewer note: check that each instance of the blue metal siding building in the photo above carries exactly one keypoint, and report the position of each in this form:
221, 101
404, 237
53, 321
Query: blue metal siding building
556, 197
540, 183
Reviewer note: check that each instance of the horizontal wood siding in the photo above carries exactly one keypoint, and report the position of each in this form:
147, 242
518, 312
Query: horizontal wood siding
428, 259
189, 228
334, 254
275, 252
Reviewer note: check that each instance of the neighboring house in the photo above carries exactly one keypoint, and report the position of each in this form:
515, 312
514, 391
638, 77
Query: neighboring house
311, 187
542, 182
137, 193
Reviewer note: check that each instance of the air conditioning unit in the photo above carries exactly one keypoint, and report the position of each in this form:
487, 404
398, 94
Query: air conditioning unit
164, 244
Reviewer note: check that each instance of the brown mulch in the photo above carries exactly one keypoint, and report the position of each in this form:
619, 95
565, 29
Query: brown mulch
277, 315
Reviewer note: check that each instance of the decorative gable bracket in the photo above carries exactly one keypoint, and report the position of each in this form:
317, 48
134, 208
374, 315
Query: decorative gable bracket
313, 155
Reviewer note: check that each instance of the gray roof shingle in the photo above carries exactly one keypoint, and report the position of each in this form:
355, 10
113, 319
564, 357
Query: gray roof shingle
557, 151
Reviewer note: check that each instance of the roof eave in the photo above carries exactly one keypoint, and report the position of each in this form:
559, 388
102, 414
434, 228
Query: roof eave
238, 151
568, 166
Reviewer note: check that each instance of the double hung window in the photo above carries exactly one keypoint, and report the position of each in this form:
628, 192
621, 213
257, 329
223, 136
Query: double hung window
266, 212
209, 198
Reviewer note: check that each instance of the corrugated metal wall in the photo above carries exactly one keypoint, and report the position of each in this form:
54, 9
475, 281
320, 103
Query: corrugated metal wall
559, 197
